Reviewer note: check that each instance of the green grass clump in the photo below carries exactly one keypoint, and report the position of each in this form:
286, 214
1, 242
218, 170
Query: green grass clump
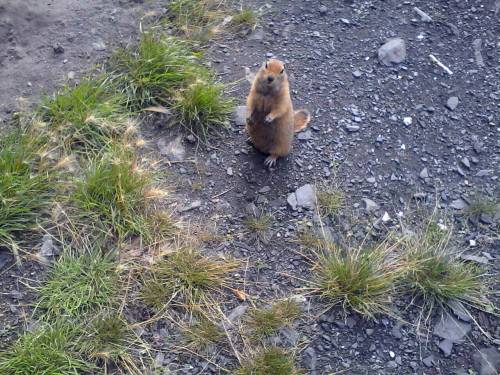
436, 273
24, 185
86, 117
203, 334
245, 18
266, 321
363, 280
48, 350
115, 195
203, 106
108, 338
153, 72
259, 224
270, 361
330, 201
185, 278
78, 284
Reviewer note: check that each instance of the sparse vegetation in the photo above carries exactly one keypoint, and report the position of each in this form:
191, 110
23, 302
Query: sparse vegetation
24, 185
77, 284
330, 201
196, 19
270, 361
47, 350
266, 321
185, 278
480, 205
86, 118
362, 279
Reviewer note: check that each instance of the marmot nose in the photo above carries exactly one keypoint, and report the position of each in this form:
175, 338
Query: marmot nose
270, 78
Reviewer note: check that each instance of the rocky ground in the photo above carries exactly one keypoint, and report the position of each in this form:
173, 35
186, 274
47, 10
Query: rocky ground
392, 137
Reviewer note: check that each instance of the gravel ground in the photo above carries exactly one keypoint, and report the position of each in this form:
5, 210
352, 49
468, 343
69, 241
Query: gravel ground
391, 136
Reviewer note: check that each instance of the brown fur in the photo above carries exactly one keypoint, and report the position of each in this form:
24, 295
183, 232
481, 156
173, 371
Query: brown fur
271, 120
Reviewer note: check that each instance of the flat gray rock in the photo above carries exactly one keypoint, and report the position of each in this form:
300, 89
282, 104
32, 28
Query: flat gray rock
174, 149
487, 361
449, 328
452, 103
240, 115
370, 205
392, 52
304, 197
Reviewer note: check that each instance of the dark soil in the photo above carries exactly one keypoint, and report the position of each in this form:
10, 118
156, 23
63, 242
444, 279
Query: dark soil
331, 58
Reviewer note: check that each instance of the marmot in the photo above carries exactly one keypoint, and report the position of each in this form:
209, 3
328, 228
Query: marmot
271, 120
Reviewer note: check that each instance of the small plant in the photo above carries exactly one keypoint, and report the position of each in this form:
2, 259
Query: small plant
358, 278
259, 224
78, 284
202, 107
48, 350
24, 185
245, 18
330, 202
184, 278
270, 361
267, 321
155, 71
203, 334
108, 338
480, 205
87, 117
436, 273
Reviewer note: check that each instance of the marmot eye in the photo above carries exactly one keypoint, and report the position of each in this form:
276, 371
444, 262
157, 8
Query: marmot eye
282, 71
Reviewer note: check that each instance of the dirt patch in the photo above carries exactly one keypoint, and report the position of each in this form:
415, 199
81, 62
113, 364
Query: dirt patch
44, 44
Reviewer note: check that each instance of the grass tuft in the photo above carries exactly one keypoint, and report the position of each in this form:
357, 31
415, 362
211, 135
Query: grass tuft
153, 72
363, 280
185, 277
481, 205
24, 185
245, 18
86, 117
266, 321
270, 361
330, 201
203, 335
78, 284
202, 107
114, 193
438, 275
48, 350
196, 19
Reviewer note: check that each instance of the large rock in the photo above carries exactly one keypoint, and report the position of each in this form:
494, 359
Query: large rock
449, 328
487, 361
304, 197
174, 149
240, 115
392, 52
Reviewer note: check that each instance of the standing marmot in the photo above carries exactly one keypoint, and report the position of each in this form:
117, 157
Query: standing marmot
271, 119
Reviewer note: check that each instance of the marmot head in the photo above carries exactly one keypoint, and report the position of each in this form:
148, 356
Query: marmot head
271, 77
